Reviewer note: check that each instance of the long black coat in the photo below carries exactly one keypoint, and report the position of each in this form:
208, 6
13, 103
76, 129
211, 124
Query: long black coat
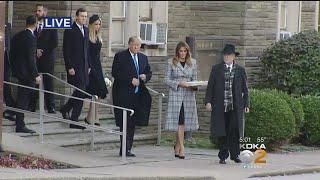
23, 56
75, 54
47, 40
215, 96
123, 71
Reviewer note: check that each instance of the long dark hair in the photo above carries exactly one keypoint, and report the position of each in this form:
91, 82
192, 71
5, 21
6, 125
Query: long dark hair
175, 59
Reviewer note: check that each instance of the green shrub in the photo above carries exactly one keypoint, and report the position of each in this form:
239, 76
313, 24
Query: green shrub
295, 105
293, 65
311, 107
271, 117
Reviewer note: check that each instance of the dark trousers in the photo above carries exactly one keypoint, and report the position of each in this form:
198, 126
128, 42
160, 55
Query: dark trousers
230, 142
130, 134
23, 100
8, 99
131, 126
47, 84
75, 105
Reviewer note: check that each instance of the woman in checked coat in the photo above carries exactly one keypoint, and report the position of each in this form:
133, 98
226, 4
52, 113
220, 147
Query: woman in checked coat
182, 109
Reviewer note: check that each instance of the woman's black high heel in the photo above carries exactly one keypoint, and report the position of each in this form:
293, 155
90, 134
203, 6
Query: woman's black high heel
175, 155
85, 120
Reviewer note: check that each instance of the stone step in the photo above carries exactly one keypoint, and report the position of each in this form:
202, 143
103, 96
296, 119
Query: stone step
60, 134
102, 141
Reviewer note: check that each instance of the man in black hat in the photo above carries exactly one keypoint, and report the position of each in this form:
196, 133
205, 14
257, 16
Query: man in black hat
227, 99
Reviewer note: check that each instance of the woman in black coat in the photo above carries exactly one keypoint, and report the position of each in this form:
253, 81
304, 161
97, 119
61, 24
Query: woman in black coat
97, 85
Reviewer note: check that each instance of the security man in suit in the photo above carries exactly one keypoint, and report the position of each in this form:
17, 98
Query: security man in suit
75, 53
22, 57
47, 41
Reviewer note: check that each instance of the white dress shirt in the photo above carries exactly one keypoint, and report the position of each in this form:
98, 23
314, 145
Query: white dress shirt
31, 31
132, 55
229, 66
81, 28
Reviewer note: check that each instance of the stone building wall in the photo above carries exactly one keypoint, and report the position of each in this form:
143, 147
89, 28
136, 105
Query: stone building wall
253, 24
309, 17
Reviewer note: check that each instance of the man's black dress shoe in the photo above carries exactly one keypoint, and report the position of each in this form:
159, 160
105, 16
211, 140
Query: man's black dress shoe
65, 114
74, 126
25, 130
52, 111
9, 116
128, 154
222, 161
237, 160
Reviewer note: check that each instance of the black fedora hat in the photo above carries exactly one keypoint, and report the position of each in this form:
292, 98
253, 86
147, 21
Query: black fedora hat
230, 49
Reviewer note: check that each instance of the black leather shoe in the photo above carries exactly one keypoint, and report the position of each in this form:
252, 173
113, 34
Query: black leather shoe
25, 130
237, 160
73, 126
52, 111
9, 116
181, 157
128, 154
65, 114
222, 161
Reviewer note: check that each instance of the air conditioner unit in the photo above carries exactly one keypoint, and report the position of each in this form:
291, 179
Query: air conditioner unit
153, 33
285, 35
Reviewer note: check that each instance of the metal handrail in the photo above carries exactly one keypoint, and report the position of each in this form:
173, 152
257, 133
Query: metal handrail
107, 130
68, 96
160, 95
155, 92
64, 82
92, 126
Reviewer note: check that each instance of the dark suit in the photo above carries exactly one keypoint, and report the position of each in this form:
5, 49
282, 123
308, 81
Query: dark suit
123, 71
75, 53
47, 40
22, 57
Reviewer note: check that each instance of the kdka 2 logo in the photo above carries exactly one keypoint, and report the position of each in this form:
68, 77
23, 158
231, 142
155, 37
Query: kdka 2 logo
57, 23
253, 154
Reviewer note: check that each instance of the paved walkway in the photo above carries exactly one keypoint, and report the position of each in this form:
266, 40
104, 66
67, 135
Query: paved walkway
156, 162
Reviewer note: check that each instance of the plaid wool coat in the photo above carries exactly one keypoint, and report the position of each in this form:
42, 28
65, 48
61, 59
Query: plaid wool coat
177, 95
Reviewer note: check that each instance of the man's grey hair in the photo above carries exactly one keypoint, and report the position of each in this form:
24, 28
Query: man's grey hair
134, 39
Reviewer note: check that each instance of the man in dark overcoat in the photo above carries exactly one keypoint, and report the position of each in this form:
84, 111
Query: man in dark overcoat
227, 99
75, 54
131, 71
